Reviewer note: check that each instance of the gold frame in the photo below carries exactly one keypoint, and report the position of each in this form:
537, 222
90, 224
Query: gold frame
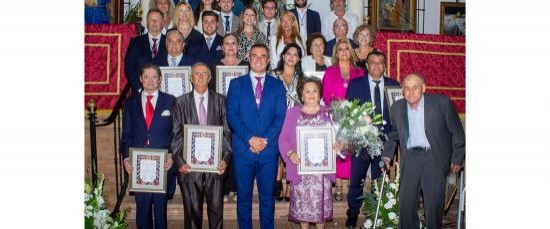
404, 23
456, 6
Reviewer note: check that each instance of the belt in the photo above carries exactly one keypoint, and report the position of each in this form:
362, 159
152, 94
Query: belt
420, 148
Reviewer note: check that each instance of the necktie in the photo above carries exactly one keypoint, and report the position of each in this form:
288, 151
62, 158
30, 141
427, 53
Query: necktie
377, 99
155, 47
227, 24
268, 32
209, 41
149, 111
258, 93
202, 112
174, 63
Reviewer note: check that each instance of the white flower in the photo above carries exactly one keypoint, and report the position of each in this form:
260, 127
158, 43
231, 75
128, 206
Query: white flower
389, 227
379, 222
390, 195
393, 186
390, 203
392, 215
367, 224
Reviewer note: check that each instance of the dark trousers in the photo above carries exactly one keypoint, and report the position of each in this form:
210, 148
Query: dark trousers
171, 176
265, 172
359, 168
229, 184
421, 172
149, 205
195, 188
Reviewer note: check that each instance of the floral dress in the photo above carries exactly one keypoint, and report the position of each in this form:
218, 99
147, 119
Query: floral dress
292, 98
245, 43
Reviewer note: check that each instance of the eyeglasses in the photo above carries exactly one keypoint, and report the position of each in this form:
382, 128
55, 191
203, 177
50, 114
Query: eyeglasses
343, 26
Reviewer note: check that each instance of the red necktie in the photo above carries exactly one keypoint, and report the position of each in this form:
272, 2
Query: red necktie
155, 47
149, 111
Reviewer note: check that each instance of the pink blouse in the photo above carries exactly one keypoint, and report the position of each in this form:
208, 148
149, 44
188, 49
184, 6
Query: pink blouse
334, 86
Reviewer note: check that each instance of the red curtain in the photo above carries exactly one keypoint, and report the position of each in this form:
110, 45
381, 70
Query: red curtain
104, 52
441, 59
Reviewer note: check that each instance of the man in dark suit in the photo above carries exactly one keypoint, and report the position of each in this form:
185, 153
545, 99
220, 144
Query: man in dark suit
256, 109
268, 26
309, 20
208, 49
340, 28
431, 136
369, 88
200, 107
147, 124
143, 49
174, 58
229, 22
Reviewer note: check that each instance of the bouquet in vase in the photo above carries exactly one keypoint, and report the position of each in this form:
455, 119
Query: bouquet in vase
95, 213
357, 126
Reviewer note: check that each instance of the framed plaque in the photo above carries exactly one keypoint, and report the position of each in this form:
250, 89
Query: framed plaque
393, 93
319, 75
393, 15
148, 174
224, 75
315, 150
203, 147
176, 81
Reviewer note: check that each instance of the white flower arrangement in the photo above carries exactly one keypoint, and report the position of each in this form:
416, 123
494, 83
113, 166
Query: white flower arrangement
95, 213
357, 126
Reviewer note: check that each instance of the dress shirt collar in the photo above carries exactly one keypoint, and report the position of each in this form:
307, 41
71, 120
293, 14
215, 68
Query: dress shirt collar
178, 58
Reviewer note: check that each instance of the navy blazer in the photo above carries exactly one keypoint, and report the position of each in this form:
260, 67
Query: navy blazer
246, 120
359, 88
331, 43
134, 129
138, 54
185, 61
199, 49
313, 20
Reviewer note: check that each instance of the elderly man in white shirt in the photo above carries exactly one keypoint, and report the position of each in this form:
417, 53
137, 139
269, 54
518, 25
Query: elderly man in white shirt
339, 10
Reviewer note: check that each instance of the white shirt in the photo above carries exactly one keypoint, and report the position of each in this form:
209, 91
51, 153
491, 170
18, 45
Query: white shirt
144, 101
275, 52
328, 21
178, 59
308, 63
198, 101
372, 85
417, 132
302, 23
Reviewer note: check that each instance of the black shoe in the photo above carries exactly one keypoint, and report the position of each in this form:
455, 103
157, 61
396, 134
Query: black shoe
351, 221
278, 190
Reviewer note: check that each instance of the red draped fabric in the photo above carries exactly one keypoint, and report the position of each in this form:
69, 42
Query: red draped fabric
104, 52
441, 59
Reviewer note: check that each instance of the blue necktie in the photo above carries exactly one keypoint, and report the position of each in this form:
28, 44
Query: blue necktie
227, 24
377, 99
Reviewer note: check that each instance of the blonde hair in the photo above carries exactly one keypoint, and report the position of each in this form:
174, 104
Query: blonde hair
176, 18
295, 34
335, 60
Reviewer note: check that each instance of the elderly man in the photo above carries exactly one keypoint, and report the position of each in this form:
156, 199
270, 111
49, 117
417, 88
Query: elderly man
230, 22
340, 28
369, 88
147, 124
309, 20
339, 11
256, 109
431, 136
200, 107
144, 49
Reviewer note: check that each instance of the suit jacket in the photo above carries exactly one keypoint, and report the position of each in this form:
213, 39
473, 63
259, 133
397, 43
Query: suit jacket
443, 129
134, 129
199, 49
235, 24
313, 20
185, 61
246, 120
185, 112
263, 28
138, 54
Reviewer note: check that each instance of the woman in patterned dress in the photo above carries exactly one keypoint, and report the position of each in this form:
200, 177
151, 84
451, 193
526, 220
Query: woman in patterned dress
289, 70
335, 85
248, 33
311, 199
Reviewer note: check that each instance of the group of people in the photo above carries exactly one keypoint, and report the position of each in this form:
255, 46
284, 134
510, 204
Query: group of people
262, 109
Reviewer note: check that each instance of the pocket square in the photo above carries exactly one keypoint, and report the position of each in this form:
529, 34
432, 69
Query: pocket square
219, 48
165, 113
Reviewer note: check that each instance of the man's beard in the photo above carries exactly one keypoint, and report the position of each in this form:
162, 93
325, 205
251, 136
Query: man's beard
301, 5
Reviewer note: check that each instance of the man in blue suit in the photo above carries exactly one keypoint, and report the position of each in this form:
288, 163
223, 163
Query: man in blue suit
256, 109
143, 49
309, 20
147, 123
369, 88
208, 49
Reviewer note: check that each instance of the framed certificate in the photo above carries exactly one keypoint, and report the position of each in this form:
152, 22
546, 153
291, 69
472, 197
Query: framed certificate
176, 81
315, 150
393, 93
319, 75
203, 147
224, 75
148, 174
